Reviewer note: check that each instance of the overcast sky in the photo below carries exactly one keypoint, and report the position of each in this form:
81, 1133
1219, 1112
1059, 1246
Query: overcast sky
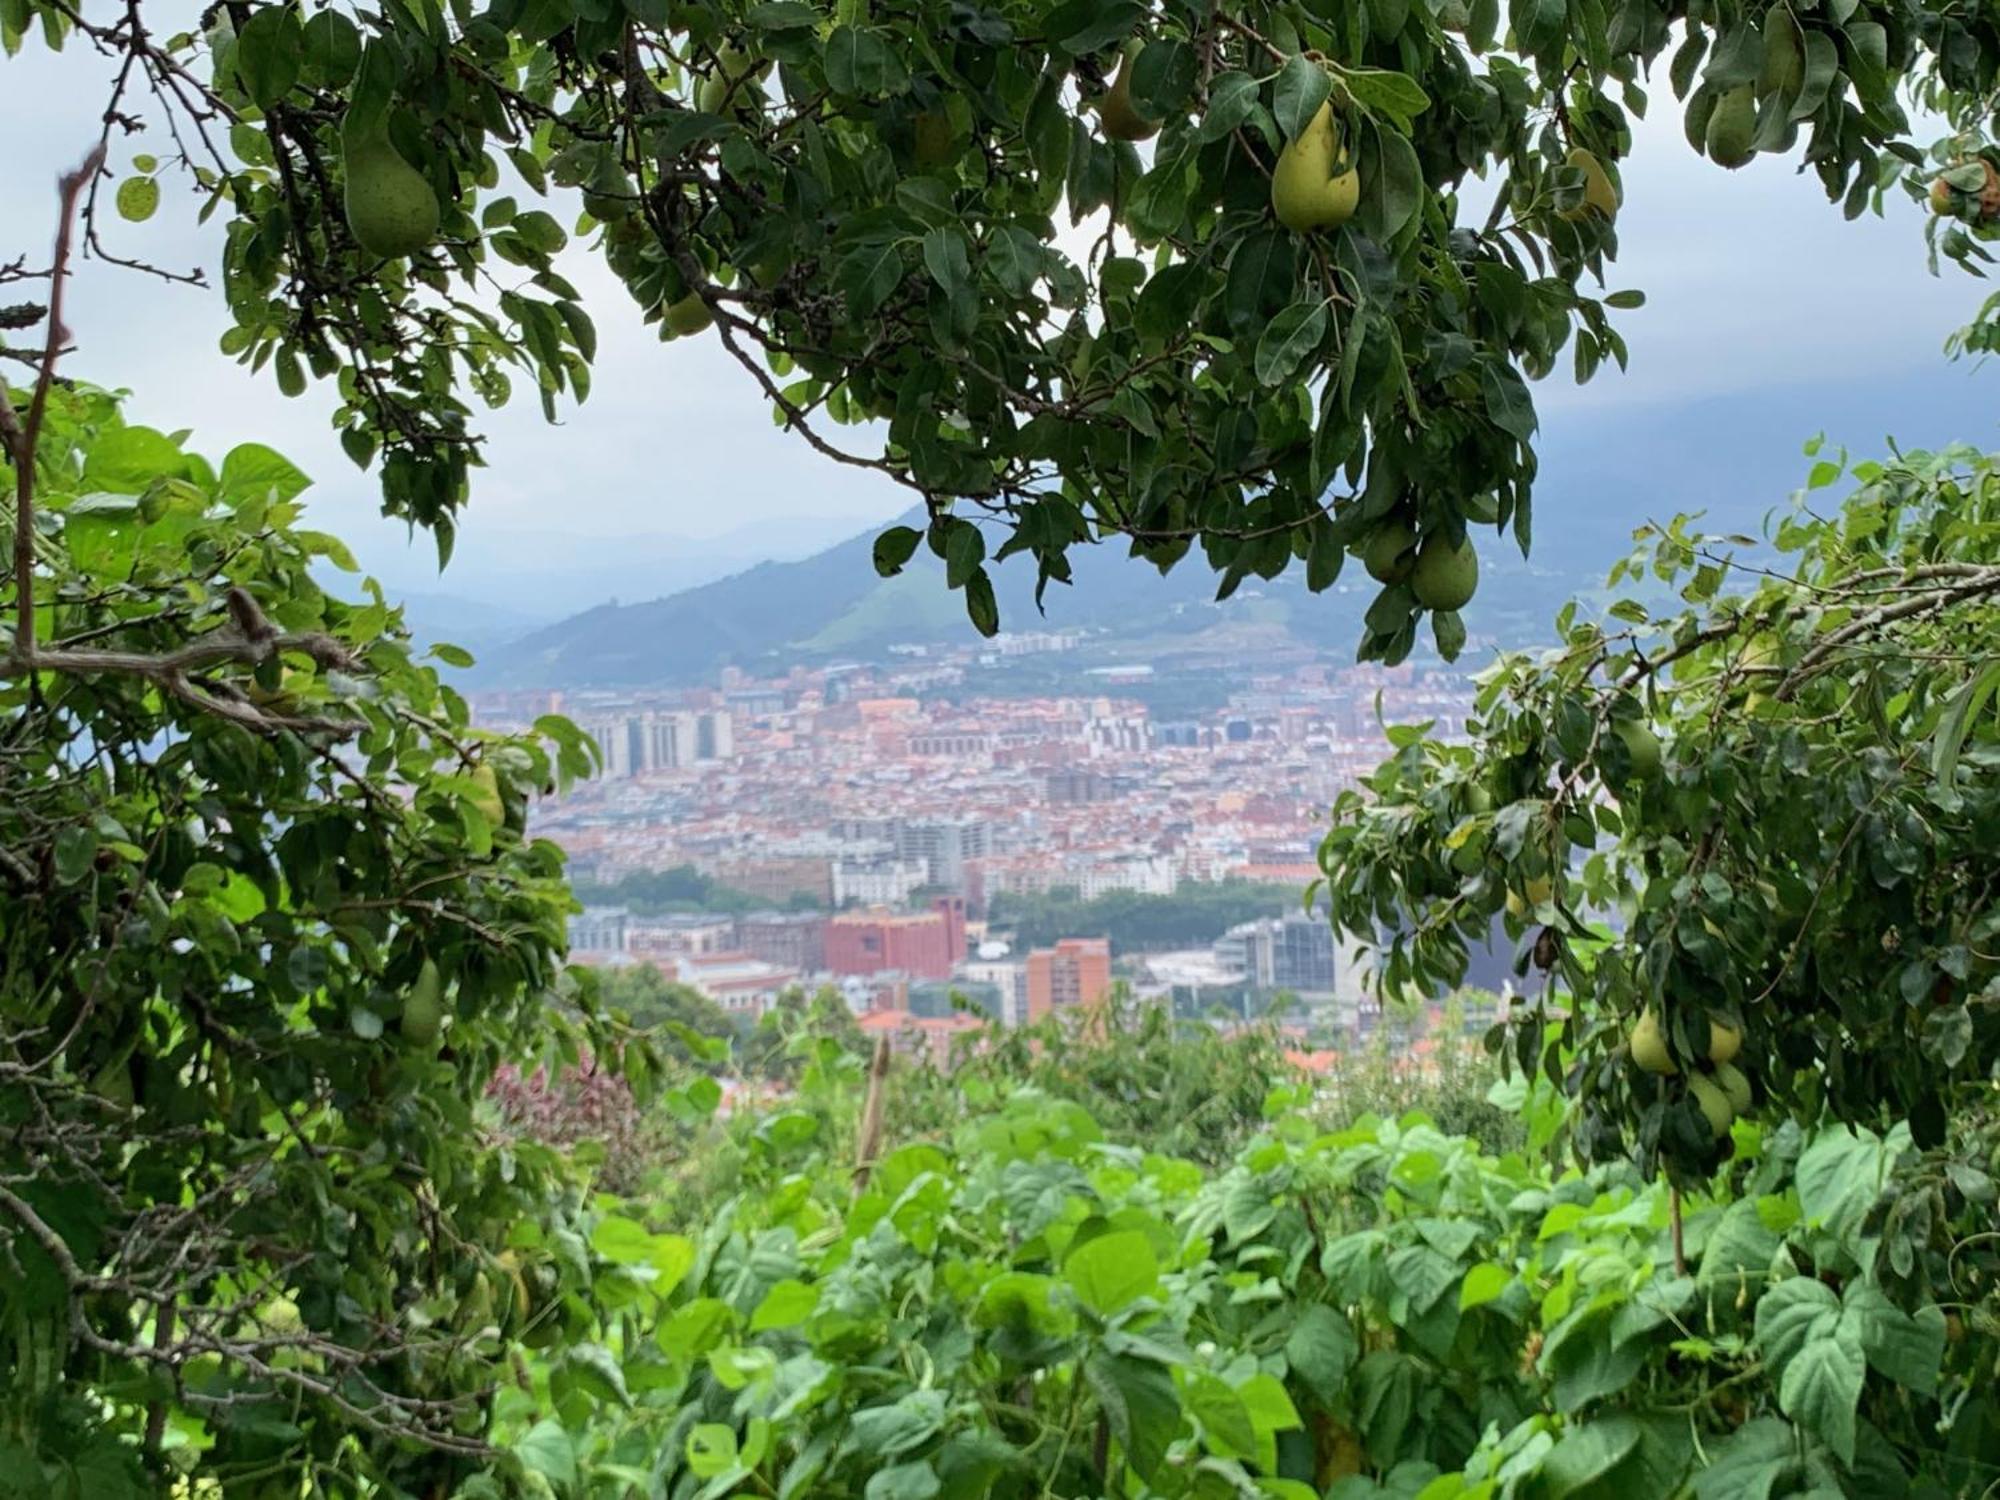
1754, 282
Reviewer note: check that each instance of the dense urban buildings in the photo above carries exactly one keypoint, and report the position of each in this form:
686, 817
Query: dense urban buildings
866, 827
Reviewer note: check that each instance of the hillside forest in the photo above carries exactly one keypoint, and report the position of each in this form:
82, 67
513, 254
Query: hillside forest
323, 1173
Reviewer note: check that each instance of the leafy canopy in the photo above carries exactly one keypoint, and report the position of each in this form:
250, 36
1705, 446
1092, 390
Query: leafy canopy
252, 988
917, 220
1780, 781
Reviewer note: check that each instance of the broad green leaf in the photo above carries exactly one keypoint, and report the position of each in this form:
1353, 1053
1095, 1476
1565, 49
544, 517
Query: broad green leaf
1112, 1271
1822, 1387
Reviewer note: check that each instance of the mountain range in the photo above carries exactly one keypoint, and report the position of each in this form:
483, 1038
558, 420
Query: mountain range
1604, 470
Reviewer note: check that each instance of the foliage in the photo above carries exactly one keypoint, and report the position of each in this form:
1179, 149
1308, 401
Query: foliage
683, 888
640, 995
1026, 1308
584, 1110
1431, 1065
883, 217
1137, 922
1178, 1087
252, 988
1846, 933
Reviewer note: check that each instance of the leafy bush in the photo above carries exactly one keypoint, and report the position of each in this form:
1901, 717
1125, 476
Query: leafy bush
1384, 1310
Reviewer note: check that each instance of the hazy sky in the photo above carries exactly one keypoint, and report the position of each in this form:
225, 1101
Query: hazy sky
1754, 281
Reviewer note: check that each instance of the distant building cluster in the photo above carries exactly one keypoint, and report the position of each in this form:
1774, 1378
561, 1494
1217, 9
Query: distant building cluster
904, 812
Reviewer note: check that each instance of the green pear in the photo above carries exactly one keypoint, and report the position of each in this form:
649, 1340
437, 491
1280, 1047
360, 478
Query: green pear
1600, 198
1305, 194
1735, 1088
1445, 577
391, 209
423, 1007
1116, 112
1724, 1042
1713, 1102
734, 81
1649, 1046
1732, 124
1641, 745
689, 315
1391, 552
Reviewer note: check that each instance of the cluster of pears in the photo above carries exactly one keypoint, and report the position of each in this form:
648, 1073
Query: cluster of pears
1731, 127
391, 210
1442, 575
1721, 1093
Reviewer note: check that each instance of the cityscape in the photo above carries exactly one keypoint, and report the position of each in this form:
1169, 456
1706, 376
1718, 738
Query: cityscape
941, 857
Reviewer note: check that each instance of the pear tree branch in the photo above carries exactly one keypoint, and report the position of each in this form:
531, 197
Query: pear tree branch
248, 639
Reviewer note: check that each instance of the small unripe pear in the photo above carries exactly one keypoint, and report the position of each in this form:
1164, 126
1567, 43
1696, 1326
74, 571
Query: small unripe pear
390, 206
1714, 1104
1445, 577
1732, 125
1391, 552
689, 315
1724, 1042
1117, 113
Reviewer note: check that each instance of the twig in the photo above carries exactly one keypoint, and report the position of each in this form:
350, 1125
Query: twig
23, 437
870, 1138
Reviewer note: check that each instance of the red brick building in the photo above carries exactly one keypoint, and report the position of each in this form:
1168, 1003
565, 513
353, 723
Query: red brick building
924, 945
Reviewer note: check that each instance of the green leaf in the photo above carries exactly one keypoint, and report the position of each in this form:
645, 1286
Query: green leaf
911, 1481
1749, 1463
1289, 339
1232, 99
789, 1303
889, 1431
75, 853
1224, 1419
868, 275
1906, 1348
1792, 1314
1584, 1363
1395, 94
1959, 714
269, 50
1585, 1456
980, 605
1302, 88
1322, 1348
1140, 1406
1015, 258
138, 198
894, 548
595, 1369
1838, 1177
1482, 1284
546, 1449
1111, 1272
860, 64
946, 259
1822, 1388
711, 1449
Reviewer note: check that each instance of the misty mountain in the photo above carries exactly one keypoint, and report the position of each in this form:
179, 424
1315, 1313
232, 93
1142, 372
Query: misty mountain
1605, 469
